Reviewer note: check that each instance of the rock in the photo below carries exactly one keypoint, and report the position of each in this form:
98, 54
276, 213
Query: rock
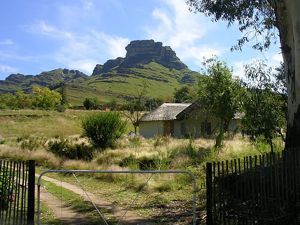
97, 70
145, 51
140, 53
112, 63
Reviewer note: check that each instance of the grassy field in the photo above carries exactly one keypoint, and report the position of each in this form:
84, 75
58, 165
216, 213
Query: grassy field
25, 135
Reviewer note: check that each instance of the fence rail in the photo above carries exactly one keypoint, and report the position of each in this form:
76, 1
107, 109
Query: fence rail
260, 189
17, 192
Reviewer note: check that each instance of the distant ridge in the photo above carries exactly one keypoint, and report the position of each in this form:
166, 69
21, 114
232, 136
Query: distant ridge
146, 61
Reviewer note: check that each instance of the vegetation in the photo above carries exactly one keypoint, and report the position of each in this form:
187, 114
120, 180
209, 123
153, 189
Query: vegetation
220, 95
185, 94
103, 129
262, 18
265, 109
91, 103
66, 149
158, 197
135, 107
39, 98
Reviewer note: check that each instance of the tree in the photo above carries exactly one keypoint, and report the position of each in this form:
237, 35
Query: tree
264, 103
153, 103
263, 17
91, 103
63, 92
135, 107
23, 101
220, 95
8, 101
44, 98
184, 94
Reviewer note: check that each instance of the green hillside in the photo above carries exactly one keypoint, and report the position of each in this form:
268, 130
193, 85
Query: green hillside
161, 82
146, 63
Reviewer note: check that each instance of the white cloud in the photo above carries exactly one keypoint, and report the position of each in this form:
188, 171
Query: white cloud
82, 50
115, 45
182, 30
44, 28
7, 42
7, 69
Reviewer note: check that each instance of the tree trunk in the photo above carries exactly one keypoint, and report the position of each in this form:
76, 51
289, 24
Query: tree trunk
135, 129
288, 24
220, 137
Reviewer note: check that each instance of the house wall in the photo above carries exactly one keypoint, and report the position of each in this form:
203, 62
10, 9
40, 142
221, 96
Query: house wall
192, 125
151, 129
186, 127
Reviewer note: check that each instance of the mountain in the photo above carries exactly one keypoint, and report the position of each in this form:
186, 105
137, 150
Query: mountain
146, 62
50, 79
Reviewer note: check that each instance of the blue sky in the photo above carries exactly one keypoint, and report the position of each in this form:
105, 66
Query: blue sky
41, 35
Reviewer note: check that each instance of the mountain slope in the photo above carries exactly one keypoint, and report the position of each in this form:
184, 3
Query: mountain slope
50, 79
146, 62
122, 84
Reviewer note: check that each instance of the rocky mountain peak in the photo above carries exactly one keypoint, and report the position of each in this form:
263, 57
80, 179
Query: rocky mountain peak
142, 52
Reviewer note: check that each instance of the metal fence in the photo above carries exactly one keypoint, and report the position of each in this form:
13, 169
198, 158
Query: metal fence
17, 192
131, 201
259, 190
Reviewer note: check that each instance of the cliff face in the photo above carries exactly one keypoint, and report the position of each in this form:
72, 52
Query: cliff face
143, 52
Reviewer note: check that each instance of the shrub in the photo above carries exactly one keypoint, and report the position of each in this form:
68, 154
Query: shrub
103, 129
66, 149
31, 142
91, 103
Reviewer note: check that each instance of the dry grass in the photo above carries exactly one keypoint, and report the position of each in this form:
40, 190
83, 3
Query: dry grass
41, 156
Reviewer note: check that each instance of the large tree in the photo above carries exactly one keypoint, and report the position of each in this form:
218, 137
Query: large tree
220, 95
263, 17
264, 103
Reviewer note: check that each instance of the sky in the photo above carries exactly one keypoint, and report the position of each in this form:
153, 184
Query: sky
41, 35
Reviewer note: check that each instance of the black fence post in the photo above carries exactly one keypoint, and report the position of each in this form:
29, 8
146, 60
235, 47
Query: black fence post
209, 195
31, 192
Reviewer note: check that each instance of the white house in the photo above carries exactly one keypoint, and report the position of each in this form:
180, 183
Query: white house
181, 120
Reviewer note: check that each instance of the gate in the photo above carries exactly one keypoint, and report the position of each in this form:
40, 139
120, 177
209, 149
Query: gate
194, 186
17, 192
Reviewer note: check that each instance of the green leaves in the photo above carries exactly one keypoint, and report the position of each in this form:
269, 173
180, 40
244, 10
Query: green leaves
220, 93
40, 97
104, 128
264, 104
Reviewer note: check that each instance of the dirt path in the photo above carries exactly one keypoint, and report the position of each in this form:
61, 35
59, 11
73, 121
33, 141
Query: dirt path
65, 214
124, 216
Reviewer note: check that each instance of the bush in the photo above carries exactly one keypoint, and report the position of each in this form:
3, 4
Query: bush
68, 150
31, 142
103, 129
91, 103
